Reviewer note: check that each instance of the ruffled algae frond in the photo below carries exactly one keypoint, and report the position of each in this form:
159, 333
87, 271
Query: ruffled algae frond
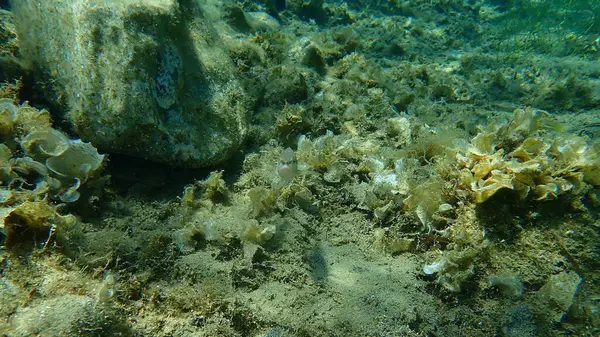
41, 169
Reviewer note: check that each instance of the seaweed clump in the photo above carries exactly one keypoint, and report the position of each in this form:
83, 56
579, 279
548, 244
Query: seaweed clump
36, 155
524, 158
525, 155
41, 169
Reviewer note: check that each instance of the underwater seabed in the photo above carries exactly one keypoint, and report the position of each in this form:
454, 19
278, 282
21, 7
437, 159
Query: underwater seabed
370, 168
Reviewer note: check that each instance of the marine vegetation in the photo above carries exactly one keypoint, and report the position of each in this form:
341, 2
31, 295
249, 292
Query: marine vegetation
299, 168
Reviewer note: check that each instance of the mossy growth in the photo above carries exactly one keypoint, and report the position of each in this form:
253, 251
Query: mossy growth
258, 233
467, 247
425, 200
454, 269
33, 224
262, 201
213, 189
320, 154
291, 122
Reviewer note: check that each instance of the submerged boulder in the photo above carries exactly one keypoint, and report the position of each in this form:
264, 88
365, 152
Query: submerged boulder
146, 78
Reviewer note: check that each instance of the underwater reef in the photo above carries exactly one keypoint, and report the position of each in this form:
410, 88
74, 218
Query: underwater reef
299, 168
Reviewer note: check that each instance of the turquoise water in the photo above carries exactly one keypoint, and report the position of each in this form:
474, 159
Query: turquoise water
299, 168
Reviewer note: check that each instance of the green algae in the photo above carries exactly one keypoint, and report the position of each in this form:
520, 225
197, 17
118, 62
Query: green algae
430, 193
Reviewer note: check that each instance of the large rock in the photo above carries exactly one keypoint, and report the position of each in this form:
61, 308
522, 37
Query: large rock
146, 78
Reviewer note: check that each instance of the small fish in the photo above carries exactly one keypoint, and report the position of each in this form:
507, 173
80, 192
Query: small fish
596, 44
287, 168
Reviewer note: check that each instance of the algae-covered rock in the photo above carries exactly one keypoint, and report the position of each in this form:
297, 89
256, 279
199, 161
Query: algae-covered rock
68, 315
146, 78
560, 291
